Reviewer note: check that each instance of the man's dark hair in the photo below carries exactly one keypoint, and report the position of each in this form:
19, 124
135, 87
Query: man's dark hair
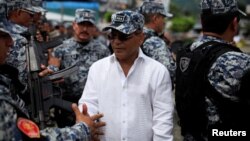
216, 23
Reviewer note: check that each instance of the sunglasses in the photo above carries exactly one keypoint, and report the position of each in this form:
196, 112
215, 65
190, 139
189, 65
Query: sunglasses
120, 36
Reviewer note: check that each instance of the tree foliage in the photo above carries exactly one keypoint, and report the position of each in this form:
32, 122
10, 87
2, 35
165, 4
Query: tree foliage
183, 19
182, 24
107, 16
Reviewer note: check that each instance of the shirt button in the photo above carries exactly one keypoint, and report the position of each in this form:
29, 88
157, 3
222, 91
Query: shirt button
123, 138
123, 121
123, 105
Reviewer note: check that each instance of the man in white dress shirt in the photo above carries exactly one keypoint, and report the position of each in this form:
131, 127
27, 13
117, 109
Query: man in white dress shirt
132, 90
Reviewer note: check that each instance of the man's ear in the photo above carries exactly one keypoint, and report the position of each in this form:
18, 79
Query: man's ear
155, 18
74, 24
18, 12
235, 25
142, 38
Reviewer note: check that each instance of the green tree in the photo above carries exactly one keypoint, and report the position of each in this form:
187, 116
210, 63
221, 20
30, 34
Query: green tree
182, 24
107, 16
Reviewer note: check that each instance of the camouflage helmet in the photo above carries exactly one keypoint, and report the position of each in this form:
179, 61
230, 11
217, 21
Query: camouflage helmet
85, 15
150, 7
126, 22
22, 4
221, 6
38, 6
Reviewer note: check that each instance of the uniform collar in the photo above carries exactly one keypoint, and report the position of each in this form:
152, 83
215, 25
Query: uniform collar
15, 28
205, 39
149, 31
82, 46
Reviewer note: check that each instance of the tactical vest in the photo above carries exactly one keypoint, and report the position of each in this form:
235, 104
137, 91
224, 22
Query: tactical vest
192, 86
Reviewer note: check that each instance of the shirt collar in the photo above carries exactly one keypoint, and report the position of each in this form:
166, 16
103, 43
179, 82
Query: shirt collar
141, 56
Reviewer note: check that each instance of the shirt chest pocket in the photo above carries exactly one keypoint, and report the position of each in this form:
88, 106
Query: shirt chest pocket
69, 60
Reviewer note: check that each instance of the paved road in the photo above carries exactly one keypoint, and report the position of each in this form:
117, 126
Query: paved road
246, 49
177, 130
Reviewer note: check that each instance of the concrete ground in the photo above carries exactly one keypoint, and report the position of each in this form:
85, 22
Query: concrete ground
246, 49
177, 129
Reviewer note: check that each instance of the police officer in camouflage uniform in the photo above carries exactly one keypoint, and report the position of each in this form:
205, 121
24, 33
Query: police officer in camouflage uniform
154, 46
20, 15
17, 56
220, 21
81, 50
15, 124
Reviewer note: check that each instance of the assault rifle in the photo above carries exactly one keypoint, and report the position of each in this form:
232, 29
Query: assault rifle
43, 93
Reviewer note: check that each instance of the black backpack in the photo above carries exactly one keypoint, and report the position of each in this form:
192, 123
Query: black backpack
192, 84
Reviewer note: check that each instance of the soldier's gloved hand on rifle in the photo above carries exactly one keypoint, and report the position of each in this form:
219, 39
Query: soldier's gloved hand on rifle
90, 121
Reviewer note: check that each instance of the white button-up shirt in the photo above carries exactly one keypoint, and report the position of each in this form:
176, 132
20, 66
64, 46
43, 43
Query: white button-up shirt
138, 107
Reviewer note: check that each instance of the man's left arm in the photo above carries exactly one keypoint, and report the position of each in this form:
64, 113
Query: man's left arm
163, 108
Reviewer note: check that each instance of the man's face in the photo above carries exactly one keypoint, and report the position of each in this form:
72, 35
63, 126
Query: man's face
83, 31
5, 43
125, 46
25, 17
160, 23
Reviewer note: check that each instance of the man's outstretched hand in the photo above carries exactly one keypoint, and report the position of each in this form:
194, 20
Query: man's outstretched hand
90, 121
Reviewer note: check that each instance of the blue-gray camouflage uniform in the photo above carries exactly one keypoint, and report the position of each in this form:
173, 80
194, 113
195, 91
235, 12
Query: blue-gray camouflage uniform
17, 56
156, 48
12, 107
10, 110
153, 45
226, 72
224, 75
71, 53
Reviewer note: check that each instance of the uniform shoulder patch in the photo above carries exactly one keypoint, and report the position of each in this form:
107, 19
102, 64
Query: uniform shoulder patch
28, 127
184, 63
